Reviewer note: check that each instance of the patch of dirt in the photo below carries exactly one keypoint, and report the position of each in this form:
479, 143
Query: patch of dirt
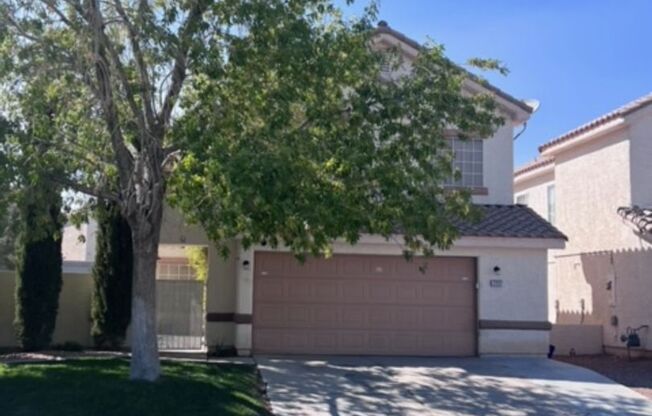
50, 356
635, 374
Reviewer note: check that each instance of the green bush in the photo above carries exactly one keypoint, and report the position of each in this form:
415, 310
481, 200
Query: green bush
38, 266
112, 276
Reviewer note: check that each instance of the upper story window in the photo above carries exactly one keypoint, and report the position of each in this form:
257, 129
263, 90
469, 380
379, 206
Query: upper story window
523, 199
468, 161
551, 204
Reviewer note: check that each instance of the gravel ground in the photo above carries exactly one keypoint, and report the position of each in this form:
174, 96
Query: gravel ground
635, 374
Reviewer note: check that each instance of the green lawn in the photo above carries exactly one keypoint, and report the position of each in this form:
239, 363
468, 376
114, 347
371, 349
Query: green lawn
91, 387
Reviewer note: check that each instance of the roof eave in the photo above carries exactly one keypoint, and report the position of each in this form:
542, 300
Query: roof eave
554, 148
527, 174
518, 110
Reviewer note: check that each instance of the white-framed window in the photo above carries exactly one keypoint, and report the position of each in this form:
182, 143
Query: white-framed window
523, 199
174, 269
551, 204
468, 161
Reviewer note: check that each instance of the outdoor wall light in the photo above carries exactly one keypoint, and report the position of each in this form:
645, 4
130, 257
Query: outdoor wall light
497, 269
245, 265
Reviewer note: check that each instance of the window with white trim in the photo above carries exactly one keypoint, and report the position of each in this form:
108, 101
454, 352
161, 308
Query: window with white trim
468, 161
174, 269
551, 204
523, 199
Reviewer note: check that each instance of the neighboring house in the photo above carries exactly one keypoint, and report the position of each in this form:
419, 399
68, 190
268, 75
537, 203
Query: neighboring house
488, 294
595, 184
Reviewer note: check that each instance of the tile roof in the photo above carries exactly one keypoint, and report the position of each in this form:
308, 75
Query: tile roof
513, 221
383, 27
617, 113
535, 164
641, 218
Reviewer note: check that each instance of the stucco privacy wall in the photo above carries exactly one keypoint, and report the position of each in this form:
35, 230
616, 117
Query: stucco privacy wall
522, 296
580, 339
73, 319
601, 285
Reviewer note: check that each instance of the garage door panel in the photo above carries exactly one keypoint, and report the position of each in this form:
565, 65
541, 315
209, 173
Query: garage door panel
270, 315
364, 343
382, 292
325, 291
364, 305
297, 290
270, 289
353, 291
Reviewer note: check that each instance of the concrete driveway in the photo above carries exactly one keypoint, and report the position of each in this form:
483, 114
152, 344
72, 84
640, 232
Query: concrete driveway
433, 386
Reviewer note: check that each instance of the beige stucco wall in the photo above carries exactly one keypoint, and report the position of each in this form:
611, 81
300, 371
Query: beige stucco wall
536, 189
535, 186
522, 297
640, 134
592, 182
497, 162
73, 319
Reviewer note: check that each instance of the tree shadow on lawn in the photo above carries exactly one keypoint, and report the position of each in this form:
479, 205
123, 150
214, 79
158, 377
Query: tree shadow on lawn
102, 387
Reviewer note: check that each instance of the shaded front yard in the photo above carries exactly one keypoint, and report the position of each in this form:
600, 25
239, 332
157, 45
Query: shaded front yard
101, 387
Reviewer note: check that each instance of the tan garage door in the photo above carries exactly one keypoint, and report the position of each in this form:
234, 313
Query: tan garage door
364, 304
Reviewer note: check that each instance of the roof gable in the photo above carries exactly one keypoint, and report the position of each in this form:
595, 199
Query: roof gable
517, 109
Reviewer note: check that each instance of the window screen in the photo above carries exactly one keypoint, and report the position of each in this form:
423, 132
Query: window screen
468, 161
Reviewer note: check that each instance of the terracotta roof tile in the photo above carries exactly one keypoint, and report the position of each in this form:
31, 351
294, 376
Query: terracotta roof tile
617, 113
535, 164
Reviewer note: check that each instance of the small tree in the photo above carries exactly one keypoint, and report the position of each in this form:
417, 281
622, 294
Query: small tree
112, 278
39, 260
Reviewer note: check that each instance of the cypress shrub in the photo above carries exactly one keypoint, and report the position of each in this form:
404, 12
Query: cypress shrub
112, 276
38, 266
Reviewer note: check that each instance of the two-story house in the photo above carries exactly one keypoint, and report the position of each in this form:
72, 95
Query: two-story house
485, 295
594, 184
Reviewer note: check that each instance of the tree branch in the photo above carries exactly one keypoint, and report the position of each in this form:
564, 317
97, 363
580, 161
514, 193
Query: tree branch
110, 113
140, 63
180, 62
96, 192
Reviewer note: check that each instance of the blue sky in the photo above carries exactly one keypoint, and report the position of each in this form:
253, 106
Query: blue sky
580, 58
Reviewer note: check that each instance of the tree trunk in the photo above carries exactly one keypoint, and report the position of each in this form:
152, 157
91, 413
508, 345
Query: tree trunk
145, 363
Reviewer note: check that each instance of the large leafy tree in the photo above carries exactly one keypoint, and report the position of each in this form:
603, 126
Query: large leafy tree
259, 119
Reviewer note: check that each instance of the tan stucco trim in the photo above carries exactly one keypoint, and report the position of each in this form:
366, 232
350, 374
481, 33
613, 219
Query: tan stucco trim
521, 325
